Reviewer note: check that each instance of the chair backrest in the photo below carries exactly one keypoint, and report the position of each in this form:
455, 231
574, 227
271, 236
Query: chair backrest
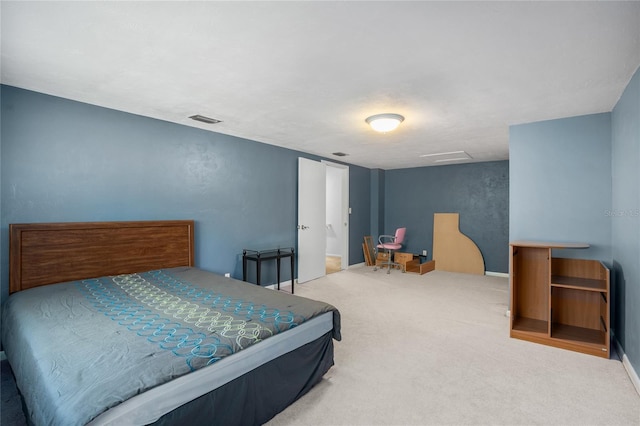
400, 235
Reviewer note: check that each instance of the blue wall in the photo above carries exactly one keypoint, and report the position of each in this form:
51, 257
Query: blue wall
377, 202
68, 161
478, 191
360, 202
625, 220
560, 183
578, 179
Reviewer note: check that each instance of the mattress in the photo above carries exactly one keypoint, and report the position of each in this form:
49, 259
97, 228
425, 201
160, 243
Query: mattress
128, 349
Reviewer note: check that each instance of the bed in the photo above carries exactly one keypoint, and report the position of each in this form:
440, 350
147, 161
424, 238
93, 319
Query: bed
111, 323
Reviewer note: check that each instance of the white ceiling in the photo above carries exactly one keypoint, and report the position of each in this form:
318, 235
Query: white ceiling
305, 75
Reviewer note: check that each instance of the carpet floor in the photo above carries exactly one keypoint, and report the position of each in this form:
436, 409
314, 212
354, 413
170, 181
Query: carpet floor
434, 349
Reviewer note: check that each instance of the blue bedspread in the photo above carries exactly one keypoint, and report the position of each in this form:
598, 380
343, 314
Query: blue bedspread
79, 348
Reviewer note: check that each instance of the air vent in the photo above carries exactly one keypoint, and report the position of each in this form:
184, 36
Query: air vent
204, 119
340, 154
444, 157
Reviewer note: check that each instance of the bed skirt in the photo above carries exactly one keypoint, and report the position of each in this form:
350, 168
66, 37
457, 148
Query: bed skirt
257, 396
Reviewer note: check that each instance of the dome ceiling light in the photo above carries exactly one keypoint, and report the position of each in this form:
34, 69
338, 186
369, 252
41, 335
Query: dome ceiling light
384, 122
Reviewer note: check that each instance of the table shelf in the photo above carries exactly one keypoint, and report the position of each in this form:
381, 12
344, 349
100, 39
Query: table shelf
258, 256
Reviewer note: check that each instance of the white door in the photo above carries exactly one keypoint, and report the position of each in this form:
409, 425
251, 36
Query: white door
312, 231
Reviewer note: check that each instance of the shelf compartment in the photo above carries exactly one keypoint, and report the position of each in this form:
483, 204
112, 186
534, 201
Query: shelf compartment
578, 268
530, 283
587, 336
588, 284
575, 307
530, 325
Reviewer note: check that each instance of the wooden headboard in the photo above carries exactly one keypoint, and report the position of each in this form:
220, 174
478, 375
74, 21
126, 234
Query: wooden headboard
49, 253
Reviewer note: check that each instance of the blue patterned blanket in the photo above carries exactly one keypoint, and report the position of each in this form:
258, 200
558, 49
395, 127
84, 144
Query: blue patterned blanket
82, 347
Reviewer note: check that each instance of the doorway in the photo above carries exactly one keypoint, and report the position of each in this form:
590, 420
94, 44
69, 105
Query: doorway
337, 217
313, 225
333, 264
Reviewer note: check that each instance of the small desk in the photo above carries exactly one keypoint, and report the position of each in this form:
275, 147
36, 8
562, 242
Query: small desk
259, 255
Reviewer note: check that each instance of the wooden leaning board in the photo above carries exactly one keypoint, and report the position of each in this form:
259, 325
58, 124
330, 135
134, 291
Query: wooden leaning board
367, 248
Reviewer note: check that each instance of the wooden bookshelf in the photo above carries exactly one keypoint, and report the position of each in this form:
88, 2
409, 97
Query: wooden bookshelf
559, 302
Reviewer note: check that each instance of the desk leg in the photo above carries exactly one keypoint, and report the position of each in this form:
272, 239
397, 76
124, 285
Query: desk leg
278, 271
244, 267
293, 256
258, 263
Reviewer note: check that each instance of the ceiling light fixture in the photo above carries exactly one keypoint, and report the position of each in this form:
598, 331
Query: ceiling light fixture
384, 122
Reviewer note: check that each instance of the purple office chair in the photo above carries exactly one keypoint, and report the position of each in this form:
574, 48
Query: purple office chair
390, 243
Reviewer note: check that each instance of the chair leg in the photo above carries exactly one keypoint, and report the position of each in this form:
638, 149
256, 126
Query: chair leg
375, 268
383, 264
375, 262
389, 263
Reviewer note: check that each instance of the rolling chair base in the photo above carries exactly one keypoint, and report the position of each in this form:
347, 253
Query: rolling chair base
389, 265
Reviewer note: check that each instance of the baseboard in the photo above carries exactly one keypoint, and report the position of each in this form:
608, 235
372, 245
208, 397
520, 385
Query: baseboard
633, 376
356, 265
275, 286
